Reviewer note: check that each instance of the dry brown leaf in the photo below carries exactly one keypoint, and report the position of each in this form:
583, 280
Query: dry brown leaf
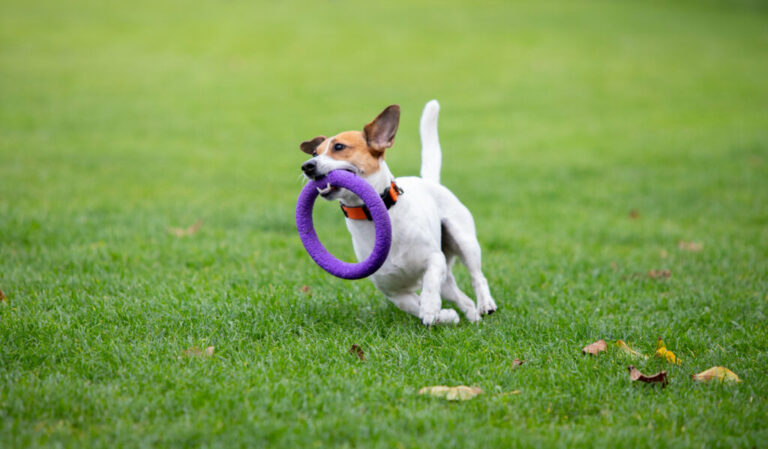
690, 246
517, 362
659, 274
595, 348
191, 230
2, 295
634, 214
510, 393
305, 289
195, 351
625, 348
720, 373
637, 376
459, 393
664, 353
358, 351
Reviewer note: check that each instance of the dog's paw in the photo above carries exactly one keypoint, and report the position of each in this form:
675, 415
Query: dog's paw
486, 307
473, 316
444, 316
448, 316
430, 318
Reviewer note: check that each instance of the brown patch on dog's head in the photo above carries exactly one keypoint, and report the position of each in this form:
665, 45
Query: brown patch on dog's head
352, 147
360, 148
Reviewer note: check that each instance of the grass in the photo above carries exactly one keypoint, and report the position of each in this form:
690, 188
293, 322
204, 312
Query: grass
559, 118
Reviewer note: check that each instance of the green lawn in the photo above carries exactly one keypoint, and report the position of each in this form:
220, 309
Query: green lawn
558, 119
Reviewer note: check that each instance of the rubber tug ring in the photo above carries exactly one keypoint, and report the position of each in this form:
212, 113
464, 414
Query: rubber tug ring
381, 223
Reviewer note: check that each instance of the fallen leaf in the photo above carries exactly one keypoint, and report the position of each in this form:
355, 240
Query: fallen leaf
595, 348
459, 393
664, 353
659, 274
663, 254
510, 393
305, 289
358, 351
720, 373
517, 362
2, 295
191, 230
625, 347
637, 376
195, 351
634, 214
689, 246
191, 352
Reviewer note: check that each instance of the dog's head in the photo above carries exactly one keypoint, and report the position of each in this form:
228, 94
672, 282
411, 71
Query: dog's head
357, 151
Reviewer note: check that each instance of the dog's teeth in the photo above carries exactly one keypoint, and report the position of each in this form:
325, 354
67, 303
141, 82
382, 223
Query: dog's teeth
327, 189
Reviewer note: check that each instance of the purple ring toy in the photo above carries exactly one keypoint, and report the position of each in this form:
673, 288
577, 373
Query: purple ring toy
381, 223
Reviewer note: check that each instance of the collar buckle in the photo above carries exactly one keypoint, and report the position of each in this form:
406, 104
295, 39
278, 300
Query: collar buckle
389, 197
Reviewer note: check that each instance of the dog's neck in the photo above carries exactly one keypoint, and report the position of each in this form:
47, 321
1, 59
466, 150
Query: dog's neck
380, 180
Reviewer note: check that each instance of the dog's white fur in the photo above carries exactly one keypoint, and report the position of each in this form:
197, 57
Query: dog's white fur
430, 229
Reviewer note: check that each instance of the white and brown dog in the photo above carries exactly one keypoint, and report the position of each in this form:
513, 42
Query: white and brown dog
430, 226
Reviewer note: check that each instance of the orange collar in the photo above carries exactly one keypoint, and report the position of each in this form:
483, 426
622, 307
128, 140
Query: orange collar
389, 197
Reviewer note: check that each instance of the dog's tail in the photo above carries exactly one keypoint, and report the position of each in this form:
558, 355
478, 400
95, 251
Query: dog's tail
431, 156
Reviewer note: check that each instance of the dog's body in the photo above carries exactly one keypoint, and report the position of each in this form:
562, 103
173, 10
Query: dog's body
430, 226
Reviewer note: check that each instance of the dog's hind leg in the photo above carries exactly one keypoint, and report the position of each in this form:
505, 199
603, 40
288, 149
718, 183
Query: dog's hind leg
459, 238
451, 292
470, 257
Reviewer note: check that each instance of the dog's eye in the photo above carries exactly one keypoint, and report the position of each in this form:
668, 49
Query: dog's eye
339, 147
314, 154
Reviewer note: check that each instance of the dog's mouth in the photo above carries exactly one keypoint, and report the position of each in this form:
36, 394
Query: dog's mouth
327, 190
315, 176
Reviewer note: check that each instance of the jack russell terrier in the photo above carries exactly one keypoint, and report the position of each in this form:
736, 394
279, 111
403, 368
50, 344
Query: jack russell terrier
430, 226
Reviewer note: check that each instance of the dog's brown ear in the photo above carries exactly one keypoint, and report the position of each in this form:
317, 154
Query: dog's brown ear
309, 146
380, 133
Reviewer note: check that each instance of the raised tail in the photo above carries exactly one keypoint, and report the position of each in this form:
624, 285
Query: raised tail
431, 155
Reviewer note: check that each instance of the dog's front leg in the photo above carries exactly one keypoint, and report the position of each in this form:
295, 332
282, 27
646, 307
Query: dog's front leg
429, 301
407, 302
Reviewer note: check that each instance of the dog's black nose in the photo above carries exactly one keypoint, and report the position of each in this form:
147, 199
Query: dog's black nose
309, 168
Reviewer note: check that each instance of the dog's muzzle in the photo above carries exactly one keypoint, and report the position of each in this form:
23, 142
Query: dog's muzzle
310, 169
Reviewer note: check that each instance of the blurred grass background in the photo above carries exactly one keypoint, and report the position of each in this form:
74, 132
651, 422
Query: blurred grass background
120, 120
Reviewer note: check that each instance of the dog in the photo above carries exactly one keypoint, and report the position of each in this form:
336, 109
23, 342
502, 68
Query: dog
431, 228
